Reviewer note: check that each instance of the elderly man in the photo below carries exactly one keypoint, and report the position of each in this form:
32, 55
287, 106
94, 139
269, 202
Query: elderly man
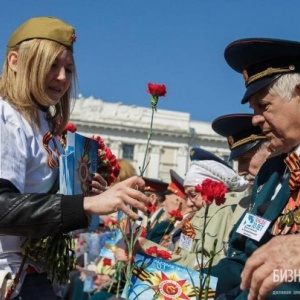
248, 146
155, 190
271, 70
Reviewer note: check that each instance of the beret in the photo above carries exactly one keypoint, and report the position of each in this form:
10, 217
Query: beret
44, 28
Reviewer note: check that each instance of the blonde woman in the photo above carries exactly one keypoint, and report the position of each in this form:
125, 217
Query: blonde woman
36, 86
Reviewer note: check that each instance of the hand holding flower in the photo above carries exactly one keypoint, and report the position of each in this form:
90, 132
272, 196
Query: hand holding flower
133, 241
121, 196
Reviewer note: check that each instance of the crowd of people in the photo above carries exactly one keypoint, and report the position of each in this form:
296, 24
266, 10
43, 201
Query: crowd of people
36, 87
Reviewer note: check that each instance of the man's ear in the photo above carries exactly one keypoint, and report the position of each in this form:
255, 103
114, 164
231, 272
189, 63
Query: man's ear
12, 59
297, 89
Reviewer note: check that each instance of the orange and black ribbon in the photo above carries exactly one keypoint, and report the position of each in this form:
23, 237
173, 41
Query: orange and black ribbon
50, 160
289, 220
187, 228
293, 163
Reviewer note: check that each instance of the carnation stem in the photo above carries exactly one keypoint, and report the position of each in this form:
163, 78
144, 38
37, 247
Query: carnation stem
130, 244
149, 136
202, 279
207, 279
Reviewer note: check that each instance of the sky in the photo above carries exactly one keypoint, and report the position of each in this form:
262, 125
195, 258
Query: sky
122, 45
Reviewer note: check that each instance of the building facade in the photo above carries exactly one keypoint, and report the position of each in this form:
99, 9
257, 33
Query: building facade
125, 131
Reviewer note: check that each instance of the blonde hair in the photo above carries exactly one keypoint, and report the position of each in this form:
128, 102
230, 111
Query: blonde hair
126, 170
25, 89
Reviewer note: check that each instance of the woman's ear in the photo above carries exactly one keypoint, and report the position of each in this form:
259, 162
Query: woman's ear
12, 59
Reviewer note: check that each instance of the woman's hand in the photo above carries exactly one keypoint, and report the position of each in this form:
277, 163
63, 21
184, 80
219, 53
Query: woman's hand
122, 196
101, 281
120, 254
98, 185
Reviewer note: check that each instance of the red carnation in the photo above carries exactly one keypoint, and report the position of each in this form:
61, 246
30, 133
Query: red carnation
71, 127
211, 190
175, 215
151, 208
143, 232
108, 165
151, 251
63, 137
157, 90
106, 261
110, 222
154, 251
164, 254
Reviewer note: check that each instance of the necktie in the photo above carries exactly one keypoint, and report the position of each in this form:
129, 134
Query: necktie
293, 163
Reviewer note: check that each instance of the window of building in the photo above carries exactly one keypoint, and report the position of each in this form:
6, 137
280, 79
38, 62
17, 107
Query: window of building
128, 151
167, 162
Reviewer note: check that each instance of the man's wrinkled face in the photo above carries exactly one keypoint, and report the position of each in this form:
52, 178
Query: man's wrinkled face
250, 162
278, 119
172, 202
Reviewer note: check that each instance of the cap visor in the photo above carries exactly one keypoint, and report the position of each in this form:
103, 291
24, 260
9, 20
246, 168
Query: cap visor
257, 86
235, 153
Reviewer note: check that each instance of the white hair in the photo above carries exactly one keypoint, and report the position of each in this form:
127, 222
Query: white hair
284, 86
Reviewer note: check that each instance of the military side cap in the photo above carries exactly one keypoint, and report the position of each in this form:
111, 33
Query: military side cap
44, 28
155, 185
176, 185
241, 134
262, 61
197, 153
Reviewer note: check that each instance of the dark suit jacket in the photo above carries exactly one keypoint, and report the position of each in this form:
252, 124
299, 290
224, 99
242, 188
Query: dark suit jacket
229, 269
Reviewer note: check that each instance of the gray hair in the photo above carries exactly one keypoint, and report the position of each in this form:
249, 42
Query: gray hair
284, 86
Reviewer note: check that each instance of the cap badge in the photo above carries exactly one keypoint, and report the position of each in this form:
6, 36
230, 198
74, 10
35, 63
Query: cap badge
292, 67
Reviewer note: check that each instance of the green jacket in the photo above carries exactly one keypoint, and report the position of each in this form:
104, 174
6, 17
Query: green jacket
229, 269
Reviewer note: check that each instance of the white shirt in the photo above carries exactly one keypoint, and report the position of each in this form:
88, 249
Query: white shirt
286, 172
23, 161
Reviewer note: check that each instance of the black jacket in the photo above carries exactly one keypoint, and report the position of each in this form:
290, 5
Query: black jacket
39, 215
